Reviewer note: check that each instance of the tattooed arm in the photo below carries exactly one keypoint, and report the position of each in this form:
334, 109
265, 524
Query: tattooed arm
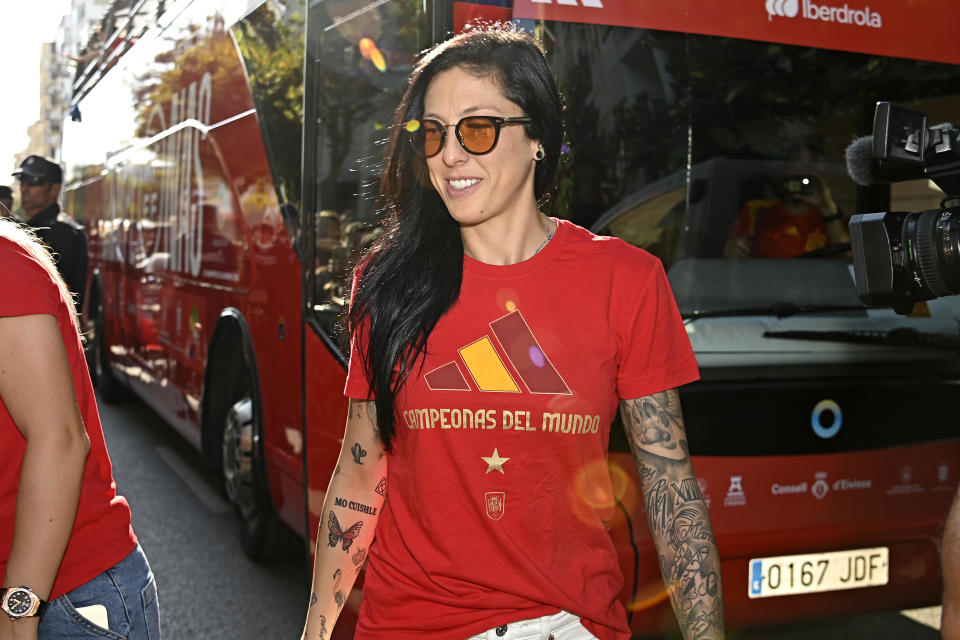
678, 518
351, 509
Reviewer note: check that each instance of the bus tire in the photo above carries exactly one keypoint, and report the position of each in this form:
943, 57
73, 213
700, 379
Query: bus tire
109, 388
264, 537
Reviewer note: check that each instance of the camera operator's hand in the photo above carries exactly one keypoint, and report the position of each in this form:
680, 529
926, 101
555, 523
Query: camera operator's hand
833, 218
818, 197
738, 247
827, 205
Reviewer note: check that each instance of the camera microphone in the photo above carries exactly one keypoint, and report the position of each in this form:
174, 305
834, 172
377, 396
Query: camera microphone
861, 164
907, 151
866, 169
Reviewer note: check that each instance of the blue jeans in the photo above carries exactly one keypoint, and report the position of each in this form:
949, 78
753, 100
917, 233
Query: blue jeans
128, 594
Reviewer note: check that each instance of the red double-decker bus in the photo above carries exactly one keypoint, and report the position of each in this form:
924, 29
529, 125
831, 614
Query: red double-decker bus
225, 163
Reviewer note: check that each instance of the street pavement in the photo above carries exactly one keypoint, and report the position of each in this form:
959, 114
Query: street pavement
208, 590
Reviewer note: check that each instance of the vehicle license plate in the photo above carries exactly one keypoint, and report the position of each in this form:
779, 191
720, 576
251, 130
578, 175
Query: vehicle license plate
812, 572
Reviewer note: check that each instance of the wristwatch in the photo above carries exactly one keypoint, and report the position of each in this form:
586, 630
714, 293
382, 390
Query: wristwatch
21, 602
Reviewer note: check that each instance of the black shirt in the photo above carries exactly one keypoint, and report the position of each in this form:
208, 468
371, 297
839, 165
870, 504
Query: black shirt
67, 242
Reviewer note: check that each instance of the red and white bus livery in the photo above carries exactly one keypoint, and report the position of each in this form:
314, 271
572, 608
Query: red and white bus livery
225, 163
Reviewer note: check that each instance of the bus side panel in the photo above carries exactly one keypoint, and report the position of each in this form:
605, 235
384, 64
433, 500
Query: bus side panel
190, 225
271, 307
248, 263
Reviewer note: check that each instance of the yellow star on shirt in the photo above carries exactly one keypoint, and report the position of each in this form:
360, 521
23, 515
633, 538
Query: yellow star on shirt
494, 462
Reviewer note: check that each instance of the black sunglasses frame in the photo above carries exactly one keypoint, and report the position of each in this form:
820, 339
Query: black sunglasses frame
496, 121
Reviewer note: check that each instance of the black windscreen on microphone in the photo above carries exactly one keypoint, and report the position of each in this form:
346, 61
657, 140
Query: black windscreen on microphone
860, 162
904, 147
866, 169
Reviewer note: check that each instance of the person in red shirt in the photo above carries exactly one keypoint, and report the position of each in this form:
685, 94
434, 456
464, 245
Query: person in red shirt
491, 347
803, 218
70, 564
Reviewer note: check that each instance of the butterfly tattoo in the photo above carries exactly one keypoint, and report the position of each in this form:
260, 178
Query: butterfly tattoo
337, 534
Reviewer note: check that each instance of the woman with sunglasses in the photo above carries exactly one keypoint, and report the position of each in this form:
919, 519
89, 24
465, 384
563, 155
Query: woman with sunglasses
490, 347
70, 563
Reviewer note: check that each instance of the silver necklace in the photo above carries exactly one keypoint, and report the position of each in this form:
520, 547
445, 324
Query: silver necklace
550, 231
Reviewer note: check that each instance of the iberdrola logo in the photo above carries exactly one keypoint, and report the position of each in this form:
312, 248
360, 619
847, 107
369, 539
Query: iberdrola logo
785, 8
808, 10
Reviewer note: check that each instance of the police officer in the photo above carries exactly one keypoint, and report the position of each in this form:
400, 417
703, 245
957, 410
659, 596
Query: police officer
40, 181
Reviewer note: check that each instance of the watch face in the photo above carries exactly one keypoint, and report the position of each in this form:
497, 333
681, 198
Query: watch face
19, 602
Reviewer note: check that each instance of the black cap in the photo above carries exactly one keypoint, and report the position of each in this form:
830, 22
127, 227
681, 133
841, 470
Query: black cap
39, 167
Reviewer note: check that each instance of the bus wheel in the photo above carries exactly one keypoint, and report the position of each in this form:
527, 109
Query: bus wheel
263, 536
109, 388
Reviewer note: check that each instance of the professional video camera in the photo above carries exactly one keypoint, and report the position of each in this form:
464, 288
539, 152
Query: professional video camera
900, 258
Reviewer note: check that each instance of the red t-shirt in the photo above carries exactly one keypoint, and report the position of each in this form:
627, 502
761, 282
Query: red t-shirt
488, 518
777, 233
102, 535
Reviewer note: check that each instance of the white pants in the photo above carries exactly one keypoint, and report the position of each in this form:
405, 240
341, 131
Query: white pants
559, 626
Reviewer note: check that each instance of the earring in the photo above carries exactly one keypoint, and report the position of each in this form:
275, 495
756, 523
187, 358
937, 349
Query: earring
539, 155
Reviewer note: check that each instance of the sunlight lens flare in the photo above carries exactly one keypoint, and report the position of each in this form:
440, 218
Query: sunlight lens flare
649, 596
367, 47
597, 488
507, 299
537, 357
378, 61
369, 50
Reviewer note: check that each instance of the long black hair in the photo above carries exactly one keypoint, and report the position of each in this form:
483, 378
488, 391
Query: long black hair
411, 276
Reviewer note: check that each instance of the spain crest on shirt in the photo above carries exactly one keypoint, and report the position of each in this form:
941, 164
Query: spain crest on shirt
495, 502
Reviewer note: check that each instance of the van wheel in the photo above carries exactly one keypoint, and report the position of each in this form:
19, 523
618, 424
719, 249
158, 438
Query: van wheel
263, 536
109, 388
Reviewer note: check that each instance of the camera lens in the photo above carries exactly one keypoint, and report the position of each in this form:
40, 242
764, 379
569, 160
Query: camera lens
934, 239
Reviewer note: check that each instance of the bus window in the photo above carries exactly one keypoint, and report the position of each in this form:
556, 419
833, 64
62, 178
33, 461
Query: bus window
271, 43
626, 123
707, 150
365, 55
